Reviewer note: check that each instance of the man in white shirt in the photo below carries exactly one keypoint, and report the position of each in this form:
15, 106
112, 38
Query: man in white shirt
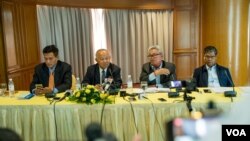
212, 74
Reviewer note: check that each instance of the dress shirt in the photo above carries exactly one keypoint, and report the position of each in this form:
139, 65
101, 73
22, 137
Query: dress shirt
100, 71
152, 76
213, 80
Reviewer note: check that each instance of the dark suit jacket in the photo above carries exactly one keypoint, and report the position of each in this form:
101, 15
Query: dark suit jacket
165, 79
62, 75
92, 75
224, 76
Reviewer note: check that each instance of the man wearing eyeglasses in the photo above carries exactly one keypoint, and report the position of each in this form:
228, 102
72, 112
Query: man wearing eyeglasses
157, 71
103, 72
211, 74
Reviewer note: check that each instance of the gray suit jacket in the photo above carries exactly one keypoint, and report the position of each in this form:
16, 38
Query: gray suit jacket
165, 79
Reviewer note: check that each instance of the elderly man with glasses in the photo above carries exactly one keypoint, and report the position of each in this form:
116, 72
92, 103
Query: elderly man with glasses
157, 71
211, 74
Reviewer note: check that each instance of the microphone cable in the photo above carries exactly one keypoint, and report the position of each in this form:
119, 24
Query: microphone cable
54, 108
232, 100
50, 101
103, 106
132, 109
155, 115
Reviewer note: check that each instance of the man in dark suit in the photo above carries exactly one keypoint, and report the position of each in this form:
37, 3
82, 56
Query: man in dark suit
54, 75
157, 72
103, 71
211, 74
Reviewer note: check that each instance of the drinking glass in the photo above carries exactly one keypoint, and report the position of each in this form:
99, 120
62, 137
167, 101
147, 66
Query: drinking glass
3, 88
144, 85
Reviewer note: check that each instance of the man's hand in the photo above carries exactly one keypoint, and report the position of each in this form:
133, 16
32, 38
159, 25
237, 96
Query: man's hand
161, 71
99, 87
42, 91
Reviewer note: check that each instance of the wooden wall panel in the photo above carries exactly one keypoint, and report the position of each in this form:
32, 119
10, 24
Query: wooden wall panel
9, 38
182, 32
116, 4
31, 52
20, 41
183, 3
225, 25
3, 72
183, 70
186, 37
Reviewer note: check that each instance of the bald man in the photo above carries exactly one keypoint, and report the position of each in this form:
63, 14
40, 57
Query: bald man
98, 73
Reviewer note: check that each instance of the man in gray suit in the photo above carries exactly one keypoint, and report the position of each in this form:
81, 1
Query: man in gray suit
157, 72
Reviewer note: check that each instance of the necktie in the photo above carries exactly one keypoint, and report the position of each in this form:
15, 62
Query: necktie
51, 81
103, 76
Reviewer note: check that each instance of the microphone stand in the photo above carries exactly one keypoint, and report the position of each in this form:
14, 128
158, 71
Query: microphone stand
188, 100
232, 93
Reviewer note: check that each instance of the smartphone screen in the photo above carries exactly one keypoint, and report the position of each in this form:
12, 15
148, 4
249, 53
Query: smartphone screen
39, 86
175, 84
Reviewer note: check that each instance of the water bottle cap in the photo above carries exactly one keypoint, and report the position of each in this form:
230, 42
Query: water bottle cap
10, 79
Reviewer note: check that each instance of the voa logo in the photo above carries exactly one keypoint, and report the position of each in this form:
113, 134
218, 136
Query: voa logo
236, 132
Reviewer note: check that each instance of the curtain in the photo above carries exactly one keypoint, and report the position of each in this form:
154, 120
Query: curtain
70, 29
129, 33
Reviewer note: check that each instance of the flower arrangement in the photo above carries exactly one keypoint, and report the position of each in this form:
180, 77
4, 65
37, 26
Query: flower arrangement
90, 95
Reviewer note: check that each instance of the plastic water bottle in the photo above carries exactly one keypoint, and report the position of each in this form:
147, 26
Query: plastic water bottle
129, 82
11, 88
78, 83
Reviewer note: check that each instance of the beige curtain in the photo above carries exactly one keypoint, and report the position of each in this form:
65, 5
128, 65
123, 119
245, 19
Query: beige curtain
129, 34
70, 29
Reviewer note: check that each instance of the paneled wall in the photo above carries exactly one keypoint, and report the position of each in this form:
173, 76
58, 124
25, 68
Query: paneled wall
186, 37
20, 39
225, 24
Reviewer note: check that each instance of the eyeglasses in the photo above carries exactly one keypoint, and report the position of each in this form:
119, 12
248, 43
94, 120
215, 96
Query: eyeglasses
153, 55
207, 57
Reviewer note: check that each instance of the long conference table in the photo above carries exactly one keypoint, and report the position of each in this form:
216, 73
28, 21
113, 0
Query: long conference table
36, 119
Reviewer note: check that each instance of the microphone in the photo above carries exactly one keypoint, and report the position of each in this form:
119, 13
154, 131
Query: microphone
114, 85
112, 77
172, 76
232, 93
50, 95
66, 94
111, 74
107, 84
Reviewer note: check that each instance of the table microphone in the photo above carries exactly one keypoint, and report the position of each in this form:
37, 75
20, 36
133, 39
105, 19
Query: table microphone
66, 94
232, 93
